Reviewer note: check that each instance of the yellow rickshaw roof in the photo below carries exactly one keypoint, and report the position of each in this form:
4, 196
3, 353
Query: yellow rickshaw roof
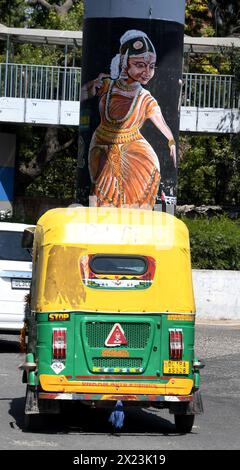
105, 225
66, 238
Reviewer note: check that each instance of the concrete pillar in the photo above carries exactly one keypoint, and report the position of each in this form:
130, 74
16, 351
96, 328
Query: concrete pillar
130, 101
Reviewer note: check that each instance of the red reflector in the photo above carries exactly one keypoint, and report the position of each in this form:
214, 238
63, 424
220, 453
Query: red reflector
175, 343
59, 343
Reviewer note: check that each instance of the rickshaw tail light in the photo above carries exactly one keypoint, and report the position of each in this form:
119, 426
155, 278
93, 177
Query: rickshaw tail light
59, 343
175, 343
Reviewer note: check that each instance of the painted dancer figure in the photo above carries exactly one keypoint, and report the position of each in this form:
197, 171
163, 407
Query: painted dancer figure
123, 166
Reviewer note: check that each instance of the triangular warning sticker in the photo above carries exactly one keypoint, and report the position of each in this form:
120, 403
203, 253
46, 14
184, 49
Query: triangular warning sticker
116, 336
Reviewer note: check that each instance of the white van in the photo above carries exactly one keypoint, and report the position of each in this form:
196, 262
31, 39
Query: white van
15, 276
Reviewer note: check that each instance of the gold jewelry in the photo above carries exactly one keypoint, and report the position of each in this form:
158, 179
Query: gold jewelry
118, 136
125, 87
171, 142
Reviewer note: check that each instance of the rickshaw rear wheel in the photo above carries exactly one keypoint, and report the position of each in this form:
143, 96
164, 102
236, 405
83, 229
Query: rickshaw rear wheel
184, 423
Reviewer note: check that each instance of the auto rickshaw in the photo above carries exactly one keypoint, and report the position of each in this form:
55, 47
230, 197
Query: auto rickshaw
111, 314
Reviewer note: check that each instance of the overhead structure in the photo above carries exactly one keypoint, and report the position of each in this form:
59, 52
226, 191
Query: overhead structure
210, 103
54, 37
74, 38
206, 45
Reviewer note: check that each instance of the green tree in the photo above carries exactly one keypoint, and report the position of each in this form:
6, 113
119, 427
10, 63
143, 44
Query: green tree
46, 161
212, 17
66, 14
13, 13
225, 16
215, 242
198, 18
209, 170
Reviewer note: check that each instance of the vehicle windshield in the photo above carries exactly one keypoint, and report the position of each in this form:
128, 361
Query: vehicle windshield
11, 248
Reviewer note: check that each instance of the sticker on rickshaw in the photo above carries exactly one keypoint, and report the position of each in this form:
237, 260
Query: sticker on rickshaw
58, 316
181, 317
116, 336
57, 367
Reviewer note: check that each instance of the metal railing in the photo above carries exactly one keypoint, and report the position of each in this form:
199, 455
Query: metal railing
210, 91
47, 82
43, 82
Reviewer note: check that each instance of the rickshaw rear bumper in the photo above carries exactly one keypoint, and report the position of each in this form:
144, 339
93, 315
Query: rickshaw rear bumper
176, 404
168, 389
161, 401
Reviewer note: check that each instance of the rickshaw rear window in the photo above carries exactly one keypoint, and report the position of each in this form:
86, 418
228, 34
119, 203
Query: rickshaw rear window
108, 264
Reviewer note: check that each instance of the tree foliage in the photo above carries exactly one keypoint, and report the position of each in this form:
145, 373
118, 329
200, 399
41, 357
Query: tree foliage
198, 18
209, 170
215, 243
212, 17
226, 18
66, 14
13, 13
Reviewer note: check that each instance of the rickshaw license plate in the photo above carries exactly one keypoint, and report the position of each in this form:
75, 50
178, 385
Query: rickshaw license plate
176, 367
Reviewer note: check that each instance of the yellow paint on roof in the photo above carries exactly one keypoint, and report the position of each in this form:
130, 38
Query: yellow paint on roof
65, 235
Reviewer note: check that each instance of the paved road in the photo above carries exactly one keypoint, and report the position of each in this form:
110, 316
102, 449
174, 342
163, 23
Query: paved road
217, 428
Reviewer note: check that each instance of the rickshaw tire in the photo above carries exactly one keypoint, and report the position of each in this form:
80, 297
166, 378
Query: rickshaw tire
184, 423
33, 422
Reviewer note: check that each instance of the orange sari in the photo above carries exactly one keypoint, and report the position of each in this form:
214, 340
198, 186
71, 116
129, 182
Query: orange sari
123, 166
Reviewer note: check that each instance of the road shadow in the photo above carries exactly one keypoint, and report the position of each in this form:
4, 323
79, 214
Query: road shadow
80, 419
9, 344
136, 421
16, 412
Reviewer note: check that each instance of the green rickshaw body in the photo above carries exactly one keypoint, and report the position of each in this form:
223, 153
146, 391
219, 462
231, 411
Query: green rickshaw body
112, 314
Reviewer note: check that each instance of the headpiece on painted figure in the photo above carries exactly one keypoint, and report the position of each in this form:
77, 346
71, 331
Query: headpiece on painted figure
132, 43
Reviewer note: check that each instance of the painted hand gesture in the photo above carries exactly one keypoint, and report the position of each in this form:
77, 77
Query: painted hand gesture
90, 89
173, 154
